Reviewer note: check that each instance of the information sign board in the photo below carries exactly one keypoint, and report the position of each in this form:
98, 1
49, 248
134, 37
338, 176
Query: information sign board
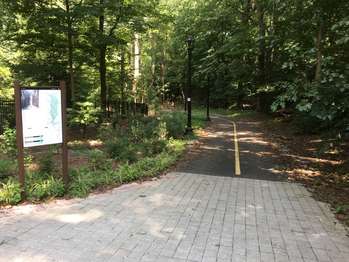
41, 117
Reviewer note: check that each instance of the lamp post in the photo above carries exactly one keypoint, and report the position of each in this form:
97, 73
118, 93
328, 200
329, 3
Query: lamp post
208, 118
189, 128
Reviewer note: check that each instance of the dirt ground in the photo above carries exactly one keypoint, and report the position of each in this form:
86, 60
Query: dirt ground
320, 162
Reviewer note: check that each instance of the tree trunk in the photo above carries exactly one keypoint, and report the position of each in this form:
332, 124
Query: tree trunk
102, 62
136, 65
162, 78
71, 91
246, 14
262, 51
319, 52
122, 81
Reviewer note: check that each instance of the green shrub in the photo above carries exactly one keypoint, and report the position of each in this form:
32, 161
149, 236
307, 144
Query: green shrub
160, 131
176, 146
7, 168
122, 149
107, 178
136, 131
175, 123
47, 163
28, 159
98, 160
141, 128
84, 115
8, 142
10, 192
40, 187
81, 182
153, 147
108, 132
84, 180
128, 173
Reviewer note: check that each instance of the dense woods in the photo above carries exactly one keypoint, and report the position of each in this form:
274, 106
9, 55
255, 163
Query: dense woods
270, 54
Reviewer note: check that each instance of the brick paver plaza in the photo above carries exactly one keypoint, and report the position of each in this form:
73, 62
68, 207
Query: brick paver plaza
180, 217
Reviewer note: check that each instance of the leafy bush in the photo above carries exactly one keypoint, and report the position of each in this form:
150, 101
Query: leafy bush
84, 115
176, 146
8, 142
128, 173
47, 163
136, 130
142, 136
153, 147
175, 123
108, 132
84, 180
81, 182
122, 150
160, 131
7, 167
98, 160
40, 187
10, 192
141, 129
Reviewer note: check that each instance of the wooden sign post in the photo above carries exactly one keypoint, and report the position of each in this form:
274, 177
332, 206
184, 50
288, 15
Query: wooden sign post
64, 133
41, 120
19, 137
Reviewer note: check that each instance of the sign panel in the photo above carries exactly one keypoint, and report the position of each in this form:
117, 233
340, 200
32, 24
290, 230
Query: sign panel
41, 117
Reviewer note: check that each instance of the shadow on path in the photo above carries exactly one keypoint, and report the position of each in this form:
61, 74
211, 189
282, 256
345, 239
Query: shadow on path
216, 154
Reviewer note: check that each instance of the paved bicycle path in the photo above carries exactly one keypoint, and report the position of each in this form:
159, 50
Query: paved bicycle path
201, 212
216, 155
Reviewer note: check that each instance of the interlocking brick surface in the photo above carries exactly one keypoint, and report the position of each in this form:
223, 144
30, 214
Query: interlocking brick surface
183, 217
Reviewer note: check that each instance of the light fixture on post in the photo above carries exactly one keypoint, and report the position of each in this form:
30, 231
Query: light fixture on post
209, 79
190, 41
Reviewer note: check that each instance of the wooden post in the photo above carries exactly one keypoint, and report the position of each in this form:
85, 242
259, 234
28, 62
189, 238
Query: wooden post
19, 137
64, 133
208, 118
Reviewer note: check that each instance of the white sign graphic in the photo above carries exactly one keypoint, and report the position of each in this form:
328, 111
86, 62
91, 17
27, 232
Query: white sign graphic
41, 117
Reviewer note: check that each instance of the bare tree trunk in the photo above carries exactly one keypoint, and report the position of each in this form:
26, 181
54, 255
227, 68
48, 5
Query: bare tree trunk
162, 77
71, 91
153, 61
246, 14
319, 52
102, 62
123, 81
136, 65
262, 50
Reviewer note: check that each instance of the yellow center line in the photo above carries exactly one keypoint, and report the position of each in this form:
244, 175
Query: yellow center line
237, 154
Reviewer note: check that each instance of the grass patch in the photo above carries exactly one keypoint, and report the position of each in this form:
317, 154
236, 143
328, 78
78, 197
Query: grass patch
43, 186
10, 192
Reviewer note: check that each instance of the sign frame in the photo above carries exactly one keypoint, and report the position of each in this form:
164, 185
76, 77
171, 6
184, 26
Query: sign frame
19, 131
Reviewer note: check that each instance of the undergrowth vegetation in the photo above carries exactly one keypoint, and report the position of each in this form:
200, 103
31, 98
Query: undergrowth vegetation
137, 148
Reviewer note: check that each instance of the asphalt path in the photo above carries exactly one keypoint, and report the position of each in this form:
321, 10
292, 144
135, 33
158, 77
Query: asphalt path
216, 154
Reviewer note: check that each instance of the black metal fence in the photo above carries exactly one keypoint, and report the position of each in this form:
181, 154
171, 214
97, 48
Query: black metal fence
117, 109
123, 108
7, 114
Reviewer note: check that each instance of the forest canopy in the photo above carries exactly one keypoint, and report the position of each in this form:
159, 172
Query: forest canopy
270, 54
